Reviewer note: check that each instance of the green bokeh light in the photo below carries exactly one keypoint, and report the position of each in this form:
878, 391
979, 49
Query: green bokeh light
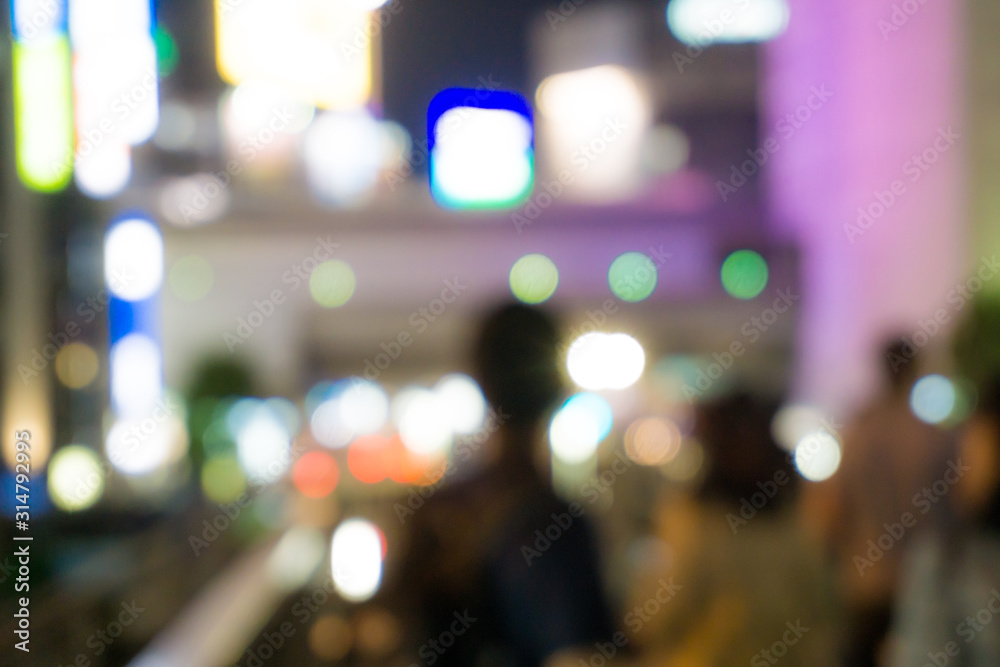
191, 278
534, 278
167, 55
744, 274
332, 283
632, 277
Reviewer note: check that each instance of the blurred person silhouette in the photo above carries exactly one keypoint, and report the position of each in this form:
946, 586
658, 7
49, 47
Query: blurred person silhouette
475, 562
946, 613
888, 456
752, 587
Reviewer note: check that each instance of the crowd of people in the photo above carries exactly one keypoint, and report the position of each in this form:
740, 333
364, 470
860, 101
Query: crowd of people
892, 561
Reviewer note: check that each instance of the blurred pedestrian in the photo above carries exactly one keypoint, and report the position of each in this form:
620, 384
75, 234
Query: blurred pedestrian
499, 548
752, 587
889, 455
948, 612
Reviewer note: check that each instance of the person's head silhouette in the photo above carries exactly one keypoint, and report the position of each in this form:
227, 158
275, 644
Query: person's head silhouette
901, 365
516, 364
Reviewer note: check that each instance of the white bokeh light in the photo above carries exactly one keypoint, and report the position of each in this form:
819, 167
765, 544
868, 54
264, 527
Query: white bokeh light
364, 407
584, 362
356, 559
140, 446
133, 259
817, 456
583, 108
105, 171
704, 22
627, 361
793, 422
579, 426
115, 79
481, 157
605, 361
463, 401
574, 437
36, 19
328, 427
266, 119
136, 369
198, 199
343, 155
263, 445
424, 423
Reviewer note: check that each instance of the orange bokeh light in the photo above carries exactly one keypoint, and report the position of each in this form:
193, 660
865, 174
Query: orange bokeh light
316, 474
405, 467
368, 459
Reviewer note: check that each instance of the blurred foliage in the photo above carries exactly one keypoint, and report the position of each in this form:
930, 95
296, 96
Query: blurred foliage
217, 382
977, 341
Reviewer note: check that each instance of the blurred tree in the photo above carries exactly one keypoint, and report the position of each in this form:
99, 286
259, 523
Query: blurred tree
977, 341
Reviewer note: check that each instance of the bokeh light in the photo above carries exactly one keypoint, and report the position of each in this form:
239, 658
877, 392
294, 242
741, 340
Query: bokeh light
424, 422
368, 459
378, 634
345, 409
76, 480
933, 398
356, 559
137, 446
76, 365
744, 274
263, 441
534, 278
43, 112
652, 441
104, 171
697, 22
222, 479
167, 53
569, 96
575, 109
579, 427
817, 456
598, 360
404, 466
462, 400
794, 422
344, 154
299, 45
114, 53
316, 474
363, 406
481, 148
136, 374
133, 259
332, 283
296, 557
191, 278
330, 638
198, 199
269, 114
328, 427
632, 277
